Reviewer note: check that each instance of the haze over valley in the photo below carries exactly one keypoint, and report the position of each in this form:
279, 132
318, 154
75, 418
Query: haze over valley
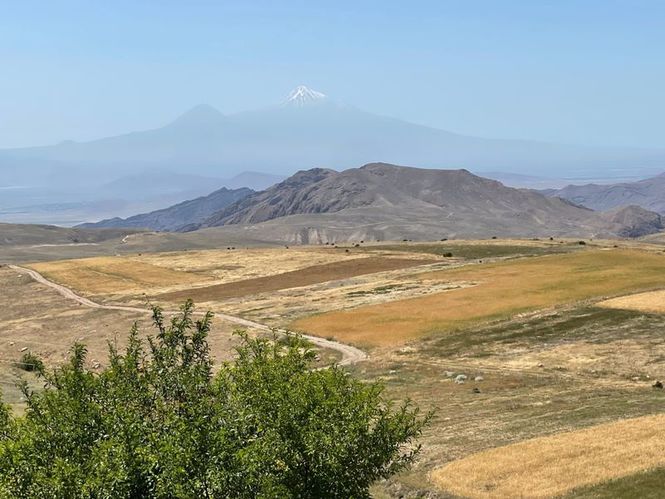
257, 249
204, 149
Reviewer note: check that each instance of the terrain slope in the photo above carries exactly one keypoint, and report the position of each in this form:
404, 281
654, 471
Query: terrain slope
648, 193
179, 215
380, 201
50, 235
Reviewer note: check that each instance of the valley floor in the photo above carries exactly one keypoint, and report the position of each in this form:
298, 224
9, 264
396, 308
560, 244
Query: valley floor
508, 340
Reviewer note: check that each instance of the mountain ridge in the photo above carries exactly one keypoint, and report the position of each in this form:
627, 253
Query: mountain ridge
287, 138
648, 193
380, 201
175, 217
457, 201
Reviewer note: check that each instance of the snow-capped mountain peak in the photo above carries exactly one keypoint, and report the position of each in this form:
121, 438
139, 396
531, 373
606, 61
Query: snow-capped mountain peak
302, 95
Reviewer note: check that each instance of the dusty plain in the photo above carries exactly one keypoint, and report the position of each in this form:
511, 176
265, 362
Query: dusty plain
507, 340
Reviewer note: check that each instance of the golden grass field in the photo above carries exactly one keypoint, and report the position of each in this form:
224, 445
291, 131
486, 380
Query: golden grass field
164, 272
110, 275
502, 290
554, 363
650, 301
553, 465
296, 278
245, 263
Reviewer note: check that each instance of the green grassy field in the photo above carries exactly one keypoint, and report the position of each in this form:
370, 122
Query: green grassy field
486, 250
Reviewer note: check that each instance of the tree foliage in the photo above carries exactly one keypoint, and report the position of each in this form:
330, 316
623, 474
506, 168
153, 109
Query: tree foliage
158, 423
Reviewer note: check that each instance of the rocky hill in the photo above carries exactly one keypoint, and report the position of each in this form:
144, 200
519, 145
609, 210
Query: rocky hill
383, 201
634, 221
179, 215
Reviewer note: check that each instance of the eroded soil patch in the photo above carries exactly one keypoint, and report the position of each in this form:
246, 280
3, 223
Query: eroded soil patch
303, 277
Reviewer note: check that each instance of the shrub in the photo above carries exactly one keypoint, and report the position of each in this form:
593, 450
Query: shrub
158, 423
31, 362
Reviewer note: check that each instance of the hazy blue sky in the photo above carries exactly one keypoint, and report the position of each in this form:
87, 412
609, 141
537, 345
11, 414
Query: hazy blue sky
585, 71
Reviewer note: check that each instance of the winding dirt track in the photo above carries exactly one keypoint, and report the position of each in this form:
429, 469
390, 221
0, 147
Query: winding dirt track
350, 354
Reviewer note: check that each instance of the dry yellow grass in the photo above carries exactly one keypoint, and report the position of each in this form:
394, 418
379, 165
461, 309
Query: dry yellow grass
309, 275
240, 264
37, 318
553, 465
650, 302
502, 290
185, 269
113, 275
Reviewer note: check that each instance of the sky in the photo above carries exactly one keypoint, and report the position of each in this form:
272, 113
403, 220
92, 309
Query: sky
574, 71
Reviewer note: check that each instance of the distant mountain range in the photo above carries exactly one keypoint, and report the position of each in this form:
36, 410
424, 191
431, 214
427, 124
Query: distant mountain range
382, 202
648, 193
179, 215
155, 183
141, 192
146, 170
308, 129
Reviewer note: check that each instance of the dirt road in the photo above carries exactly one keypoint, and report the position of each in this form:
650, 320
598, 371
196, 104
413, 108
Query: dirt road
350, 354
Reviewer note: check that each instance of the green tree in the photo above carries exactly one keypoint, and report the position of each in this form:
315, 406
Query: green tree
157, 423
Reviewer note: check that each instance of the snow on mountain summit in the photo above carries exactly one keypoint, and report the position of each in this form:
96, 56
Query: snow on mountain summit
302, 95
